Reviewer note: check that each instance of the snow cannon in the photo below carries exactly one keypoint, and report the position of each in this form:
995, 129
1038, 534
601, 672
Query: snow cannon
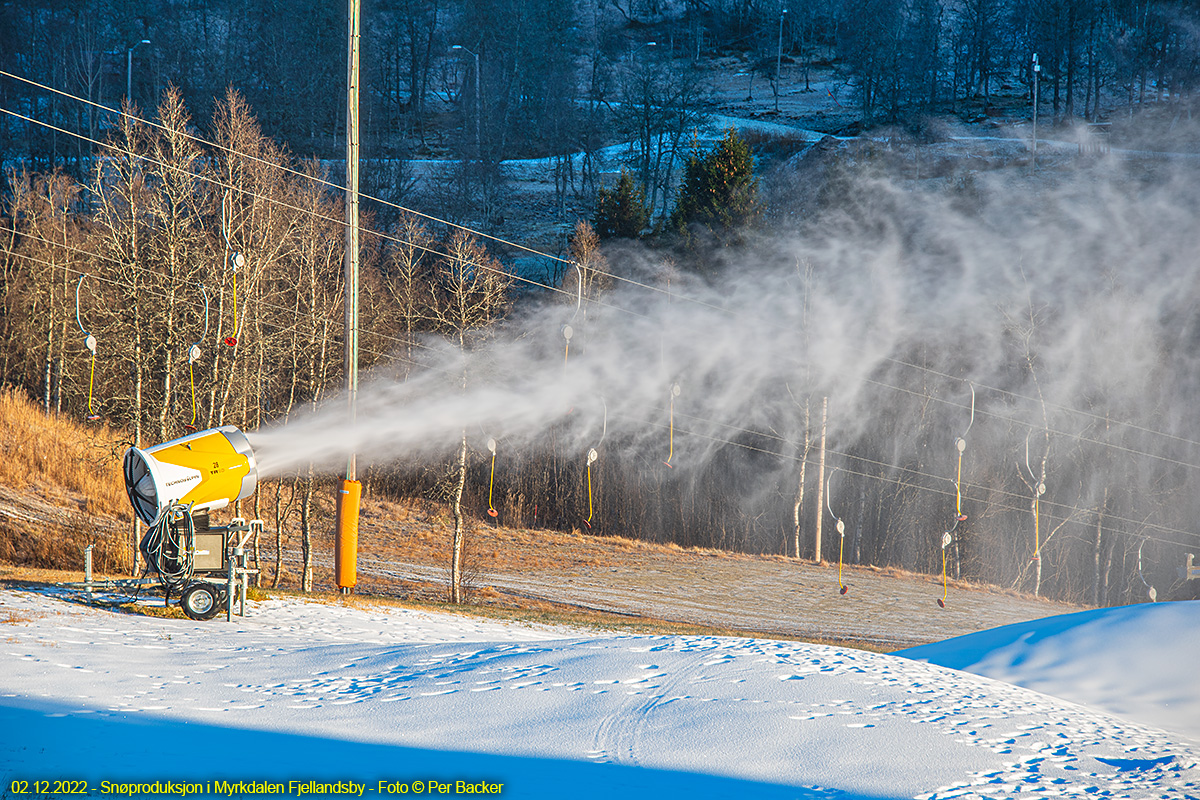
204, 471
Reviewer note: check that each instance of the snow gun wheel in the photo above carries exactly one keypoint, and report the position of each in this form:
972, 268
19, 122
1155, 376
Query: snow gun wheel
201, 601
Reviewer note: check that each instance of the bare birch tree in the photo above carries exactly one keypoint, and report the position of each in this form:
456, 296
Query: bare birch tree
469, 292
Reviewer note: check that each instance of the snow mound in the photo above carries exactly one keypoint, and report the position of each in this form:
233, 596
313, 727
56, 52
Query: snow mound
1139, 662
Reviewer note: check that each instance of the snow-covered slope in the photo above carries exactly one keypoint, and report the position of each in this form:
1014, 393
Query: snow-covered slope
1140, 662
323, 692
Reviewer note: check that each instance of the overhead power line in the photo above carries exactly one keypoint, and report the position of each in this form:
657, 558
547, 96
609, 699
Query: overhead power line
605, 304
673, 295
1068, 512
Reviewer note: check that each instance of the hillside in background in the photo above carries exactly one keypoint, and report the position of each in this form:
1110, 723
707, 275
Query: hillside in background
540, 78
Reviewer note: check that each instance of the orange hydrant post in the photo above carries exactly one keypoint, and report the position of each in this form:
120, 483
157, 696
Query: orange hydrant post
345, 551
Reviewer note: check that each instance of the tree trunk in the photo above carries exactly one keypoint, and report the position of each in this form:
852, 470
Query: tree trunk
278, 546
58, 379
957, 559
217, 360
1072, 24
456, 555
821, 482
862, 516
168, 352
256, 545
1037, 553
306, 579
46, 382
798, 508
1104, 577
1097, 545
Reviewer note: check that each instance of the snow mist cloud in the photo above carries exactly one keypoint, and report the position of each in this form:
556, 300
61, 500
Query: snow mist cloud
1067, 301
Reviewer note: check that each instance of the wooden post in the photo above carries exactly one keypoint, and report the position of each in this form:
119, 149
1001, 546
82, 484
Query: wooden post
821, 481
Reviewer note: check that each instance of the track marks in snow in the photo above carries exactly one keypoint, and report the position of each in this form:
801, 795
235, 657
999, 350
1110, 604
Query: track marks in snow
1048, 748
618, 736
396, 674
1168, 777
619, 699
1058, 749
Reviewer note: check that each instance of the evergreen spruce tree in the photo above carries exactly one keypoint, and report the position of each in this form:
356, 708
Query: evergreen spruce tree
719, 192
621, 213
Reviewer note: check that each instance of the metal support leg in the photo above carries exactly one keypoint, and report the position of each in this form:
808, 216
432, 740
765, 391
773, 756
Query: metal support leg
239, 558
87, 569
229, 585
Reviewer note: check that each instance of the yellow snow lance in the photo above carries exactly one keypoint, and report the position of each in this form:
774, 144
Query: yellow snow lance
172, 487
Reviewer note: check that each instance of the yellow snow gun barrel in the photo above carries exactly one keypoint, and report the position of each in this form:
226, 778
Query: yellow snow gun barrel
206, 470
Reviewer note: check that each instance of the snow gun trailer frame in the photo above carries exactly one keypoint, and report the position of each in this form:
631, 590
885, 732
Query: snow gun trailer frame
205, 565
216, 571
172, 487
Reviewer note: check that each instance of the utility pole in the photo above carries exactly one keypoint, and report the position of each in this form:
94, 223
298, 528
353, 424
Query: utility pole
1037, 72
779, 59
129, 70
346, 546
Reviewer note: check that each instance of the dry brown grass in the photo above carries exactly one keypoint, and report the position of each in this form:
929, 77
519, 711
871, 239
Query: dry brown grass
60, 546
65, 480
143, 610
15, 618
51, 455
12, 575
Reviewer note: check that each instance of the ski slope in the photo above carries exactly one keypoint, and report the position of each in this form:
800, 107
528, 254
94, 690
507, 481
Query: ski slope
378, 701
1139, 662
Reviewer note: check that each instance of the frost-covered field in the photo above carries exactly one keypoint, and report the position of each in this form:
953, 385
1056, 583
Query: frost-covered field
305, 692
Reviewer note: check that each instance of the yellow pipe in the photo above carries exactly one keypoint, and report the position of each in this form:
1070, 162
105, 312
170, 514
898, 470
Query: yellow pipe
841, 545
91, 385
491, 481
589, 482
958, 488
235, 316
671, 433
192, 377
1037, 535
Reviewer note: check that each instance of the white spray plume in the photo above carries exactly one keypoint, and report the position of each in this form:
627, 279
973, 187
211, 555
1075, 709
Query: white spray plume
1082, 294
